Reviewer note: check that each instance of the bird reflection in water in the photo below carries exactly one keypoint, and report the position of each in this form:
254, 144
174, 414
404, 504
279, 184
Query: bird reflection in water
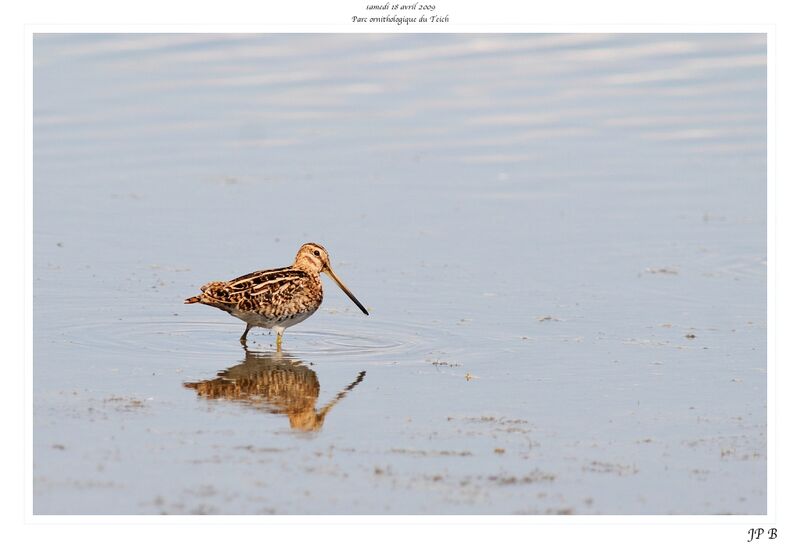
275, 383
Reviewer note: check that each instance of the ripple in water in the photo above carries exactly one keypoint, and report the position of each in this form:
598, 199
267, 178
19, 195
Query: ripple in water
372, 339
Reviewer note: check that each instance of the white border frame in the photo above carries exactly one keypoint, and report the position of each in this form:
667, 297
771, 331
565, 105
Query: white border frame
635, 522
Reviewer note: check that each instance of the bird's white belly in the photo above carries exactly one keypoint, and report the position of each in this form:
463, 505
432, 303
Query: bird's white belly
267, 322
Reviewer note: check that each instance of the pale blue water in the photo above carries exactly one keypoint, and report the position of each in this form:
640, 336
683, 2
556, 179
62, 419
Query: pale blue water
536, 223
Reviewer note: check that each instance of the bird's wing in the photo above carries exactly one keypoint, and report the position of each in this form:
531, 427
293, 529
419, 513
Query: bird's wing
251, 290
274, 289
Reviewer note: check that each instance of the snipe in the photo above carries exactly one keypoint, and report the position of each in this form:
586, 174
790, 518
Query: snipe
277, 298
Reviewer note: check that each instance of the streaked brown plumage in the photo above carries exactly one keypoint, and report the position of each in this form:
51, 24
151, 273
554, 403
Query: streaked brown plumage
277, 298
275, 383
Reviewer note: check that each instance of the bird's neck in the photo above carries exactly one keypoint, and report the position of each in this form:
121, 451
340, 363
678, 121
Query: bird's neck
308, 265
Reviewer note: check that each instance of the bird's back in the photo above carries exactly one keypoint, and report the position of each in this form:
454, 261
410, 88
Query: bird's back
273, 293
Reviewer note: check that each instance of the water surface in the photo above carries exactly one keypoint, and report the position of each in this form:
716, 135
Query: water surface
561, 240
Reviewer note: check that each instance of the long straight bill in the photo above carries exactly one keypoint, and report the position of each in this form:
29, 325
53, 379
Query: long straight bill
347, 291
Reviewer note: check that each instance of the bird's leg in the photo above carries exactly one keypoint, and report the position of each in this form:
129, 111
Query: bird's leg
279, 331
243, 338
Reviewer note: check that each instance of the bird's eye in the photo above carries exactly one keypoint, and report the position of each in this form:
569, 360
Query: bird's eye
316, 252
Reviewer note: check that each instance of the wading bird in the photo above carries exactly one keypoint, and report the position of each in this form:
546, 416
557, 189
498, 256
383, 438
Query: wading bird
277, 298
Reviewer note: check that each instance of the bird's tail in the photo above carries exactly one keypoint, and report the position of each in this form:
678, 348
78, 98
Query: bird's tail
192, 300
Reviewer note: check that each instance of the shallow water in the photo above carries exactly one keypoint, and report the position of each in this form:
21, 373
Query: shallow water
561, 240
